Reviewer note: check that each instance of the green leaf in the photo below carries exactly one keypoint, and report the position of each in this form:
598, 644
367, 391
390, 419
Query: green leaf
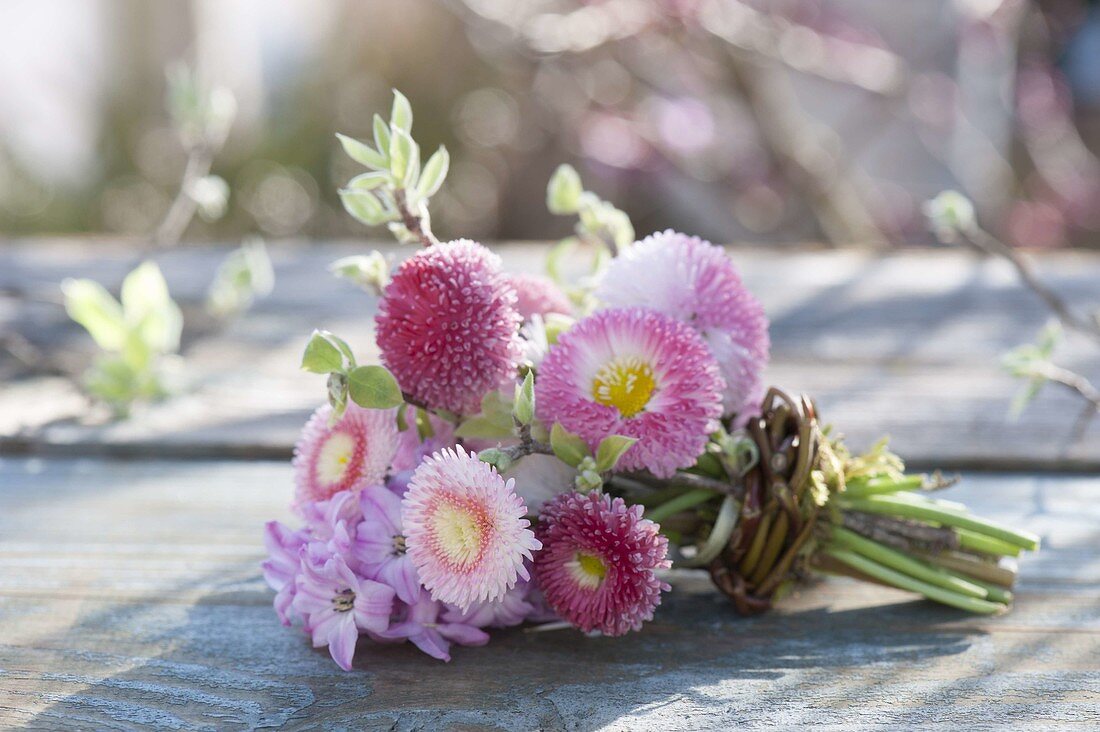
374, 387
611, 449
483, 428
369, 271
401, 116
569, 448
149, 309
1049, 338
523, 409
337, 395
381, 133
496, 457
564, 190
368, 181
424, 428
557, 255
1026, 395
90, 305
434, 173
401, 154
364, 206
321, 355
363, 153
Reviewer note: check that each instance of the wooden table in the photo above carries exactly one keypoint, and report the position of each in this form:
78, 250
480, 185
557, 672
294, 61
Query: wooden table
130, 595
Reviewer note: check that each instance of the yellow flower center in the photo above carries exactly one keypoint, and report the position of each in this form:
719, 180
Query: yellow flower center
626, 384
459, 533
334, 458
588, 570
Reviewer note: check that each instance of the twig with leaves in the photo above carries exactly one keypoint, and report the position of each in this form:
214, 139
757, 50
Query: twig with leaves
952, 218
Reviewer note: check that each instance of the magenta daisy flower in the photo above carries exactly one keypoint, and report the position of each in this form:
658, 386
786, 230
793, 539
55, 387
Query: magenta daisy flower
696, 282
465, 529
447, 326
633, 372
538, 295
353, 453
596, 568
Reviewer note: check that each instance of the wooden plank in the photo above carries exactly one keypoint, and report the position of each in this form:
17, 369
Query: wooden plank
906, 343
130, 598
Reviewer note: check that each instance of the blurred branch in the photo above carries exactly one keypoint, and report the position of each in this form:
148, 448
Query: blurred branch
803, 49
985, 242
796, 145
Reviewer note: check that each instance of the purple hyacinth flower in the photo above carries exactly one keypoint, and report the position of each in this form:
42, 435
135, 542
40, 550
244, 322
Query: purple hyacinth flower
379, 545
421, 624
336, 604
282, 565
322, 516
512, 609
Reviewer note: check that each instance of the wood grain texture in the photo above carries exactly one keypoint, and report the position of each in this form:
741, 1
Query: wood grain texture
906, 343
130, 598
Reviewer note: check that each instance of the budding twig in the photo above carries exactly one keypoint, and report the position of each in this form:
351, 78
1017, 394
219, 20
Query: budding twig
416, 223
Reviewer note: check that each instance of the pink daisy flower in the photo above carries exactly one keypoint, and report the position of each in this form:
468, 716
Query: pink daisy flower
353, 453
696, 282
447, 326
336, 604
633, 372
538, 295
596, 568
465, 529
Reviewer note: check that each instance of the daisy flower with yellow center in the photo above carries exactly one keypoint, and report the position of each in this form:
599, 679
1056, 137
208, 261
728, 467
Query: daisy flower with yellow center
465, 529
633, 372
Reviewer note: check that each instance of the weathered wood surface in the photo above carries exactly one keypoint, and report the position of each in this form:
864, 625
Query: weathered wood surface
906, 343
130, 598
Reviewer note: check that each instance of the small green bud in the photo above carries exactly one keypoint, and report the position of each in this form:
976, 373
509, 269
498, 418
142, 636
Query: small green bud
948, 214
369, 271
588, 477
495, 457
564, 190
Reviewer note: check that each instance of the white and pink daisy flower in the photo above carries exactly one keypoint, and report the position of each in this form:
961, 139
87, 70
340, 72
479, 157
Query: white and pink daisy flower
633, 372
465, 529
596, 568
336, 604
353, 453
696, 282
447, 326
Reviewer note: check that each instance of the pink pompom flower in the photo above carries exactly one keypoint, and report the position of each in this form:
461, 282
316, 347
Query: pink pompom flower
353, 453
465, 529
696, 282
596, 568
336, 604
538, 295
447, 326
633, 372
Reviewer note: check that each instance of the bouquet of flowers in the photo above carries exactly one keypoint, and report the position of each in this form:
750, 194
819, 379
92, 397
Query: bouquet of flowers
534, 450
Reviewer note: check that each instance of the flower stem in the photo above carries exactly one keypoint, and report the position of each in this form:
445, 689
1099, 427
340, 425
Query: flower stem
680, 503
986, 544
414, 221
905, 582
875, 486
902, 563
893, 506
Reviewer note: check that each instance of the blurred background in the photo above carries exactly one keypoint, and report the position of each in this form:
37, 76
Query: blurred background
775, 122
